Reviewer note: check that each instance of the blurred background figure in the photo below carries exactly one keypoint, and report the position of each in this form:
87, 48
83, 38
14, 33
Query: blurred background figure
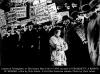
93, 36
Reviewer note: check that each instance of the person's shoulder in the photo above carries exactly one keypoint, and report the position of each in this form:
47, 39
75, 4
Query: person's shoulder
53, 37
61, 38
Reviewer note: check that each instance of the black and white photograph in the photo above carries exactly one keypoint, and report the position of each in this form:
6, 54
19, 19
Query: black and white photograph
49, 36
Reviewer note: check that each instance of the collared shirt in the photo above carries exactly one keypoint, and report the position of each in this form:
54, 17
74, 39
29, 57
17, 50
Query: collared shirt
60, 46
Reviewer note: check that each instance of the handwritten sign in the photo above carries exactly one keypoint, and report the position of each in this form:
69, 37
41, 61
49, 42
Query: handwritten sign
20, 11
41, 13
52, 8
53, 11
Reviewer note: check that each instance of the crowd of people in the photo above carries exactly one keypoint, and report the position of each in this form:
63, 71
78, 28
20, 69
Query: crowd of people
30, 45
54, 43
24, 44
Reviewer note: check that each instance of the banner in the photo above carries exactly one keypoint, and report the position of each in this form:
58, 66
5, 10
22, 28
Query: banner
20, 11
41, 13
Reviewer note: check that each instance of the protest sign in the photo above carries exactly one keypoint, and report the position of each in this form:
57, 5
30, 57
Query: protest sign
41, 13
52, 8
20, 11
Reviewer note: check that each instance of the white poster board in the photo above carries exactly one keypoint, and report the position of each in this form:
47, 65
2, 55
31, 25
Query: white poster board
52, 8
53, 11
41, 13
20, 11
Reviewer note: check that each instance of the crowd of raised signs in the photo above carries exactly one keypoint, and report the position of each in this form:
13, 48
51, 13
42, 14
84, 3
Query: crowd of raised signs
29, 25
12, 25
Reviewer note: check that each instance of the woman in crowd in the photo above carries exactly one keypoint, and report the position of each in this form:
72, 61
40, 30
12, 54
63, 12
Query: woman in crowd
58, 48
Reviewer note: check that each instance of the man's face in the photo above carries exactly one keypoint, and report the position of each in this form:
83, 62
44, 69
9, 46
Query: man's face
58, 33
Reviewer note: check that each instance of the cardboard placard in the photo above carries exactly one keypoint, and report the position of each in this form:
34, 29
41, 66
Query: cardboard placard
41, 13
20, 11
52, 8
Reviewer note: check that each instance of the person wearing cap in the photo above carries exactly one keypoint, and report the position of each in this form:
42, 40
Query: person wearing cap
58, 48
